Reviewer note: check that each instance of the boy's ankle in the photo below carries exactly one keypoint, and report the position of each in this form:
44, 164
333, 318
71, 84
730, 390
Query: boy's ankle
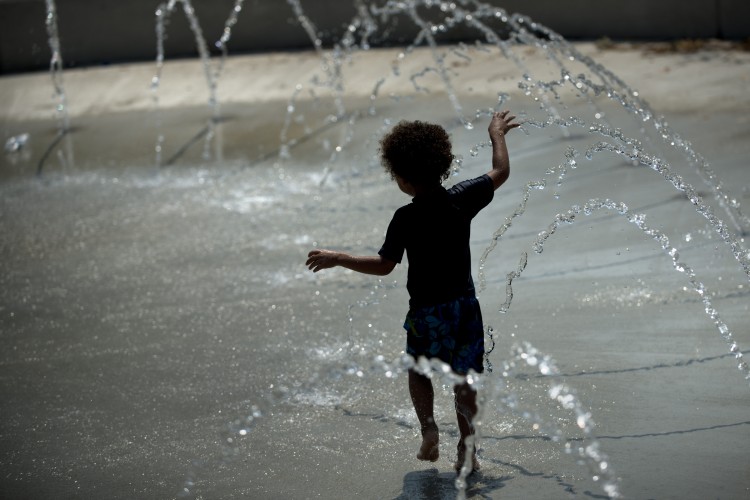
429, 428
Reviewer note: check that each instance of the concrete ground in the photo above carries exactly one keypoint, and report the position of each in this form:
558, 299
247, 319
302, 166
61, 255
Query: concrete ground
163, 339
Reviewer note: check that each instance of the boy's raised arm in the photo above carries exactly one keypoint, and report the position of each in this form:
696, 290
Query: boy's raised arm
500, 125
318, 260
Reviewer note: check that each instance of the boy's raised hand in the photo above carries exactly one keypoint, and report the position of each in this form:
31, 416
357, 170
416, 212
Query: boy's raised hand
501, 124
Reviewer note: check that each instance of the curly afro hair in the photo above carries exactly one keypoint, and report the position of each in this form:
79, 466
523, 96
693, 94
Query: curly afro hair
418, 152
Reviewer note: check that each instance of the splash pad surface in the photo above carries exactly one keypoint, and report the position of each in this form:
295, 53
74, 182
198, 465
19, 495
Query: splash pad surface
146, 311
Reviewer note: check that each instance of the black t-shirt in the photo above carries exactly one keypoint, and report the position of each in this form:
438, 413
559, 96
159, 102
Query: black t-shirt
434, 230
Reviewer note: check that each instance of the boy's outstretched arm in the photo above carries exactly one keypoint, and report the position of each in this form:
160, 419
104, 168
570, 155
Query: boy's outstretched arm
500, 125
318, 260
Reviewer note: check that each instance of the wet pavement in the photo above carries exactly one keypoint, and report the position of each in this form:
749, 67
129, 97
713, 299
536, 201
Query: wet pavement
162, 336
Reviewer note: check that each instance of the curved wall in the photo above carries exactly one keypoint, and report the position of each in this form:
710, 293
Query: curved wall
109, 31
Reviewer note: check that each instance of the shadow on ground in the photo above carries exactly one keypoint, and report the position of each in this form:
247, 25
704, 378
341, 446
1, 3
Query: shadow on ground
432, 484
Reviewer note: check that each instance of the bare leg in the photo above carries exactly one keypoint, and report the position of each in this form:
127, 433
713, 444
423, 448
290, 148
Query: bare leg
466, 409
423, 396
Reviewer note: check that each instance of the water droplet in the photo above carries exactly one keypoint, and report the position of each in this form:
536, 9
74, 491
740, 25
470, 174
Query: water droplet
581, 421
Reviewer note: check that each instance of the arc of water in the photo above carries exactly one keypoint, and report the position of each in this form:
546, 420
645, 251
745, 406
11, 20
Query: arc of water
483, 11
211, 74
156, 79
634, 152
549, 47
519, 23
363, 20
164, 10
456, 15
499, 232
56, 68
420, 74
373, 96
472, 17
56, 73
331, 63
427, 31
227, 34
595, 204
633, 102
627, 97
290, 107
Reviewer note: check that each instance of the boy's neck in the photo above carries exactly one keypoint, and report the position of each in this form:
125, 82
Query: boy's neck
415, 190
420, 189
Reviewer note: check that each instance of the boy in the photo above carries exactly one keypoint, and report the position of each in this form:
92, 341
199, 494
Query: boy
444, 319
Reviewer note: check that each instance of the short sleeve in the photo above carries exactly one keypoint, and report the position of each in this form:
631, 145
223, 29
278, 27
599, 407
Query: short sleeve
395, 238
473, 195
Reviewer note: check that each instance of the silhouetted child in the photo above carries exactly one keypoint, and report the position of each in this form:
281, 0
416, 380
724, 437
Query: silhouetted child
444, 319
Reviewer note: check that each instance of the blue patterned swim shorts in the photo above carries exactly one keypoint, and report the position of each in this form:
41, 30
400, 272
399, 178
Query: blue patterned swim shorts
452, 332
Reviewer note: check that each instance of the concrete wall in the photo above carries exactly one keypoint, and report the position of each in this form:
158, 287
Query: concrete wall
107, 31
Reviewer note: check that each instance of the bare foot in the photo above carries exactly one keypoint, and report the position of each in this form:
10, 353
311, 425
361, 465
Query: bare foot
429, 449
462, 456
474, 465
